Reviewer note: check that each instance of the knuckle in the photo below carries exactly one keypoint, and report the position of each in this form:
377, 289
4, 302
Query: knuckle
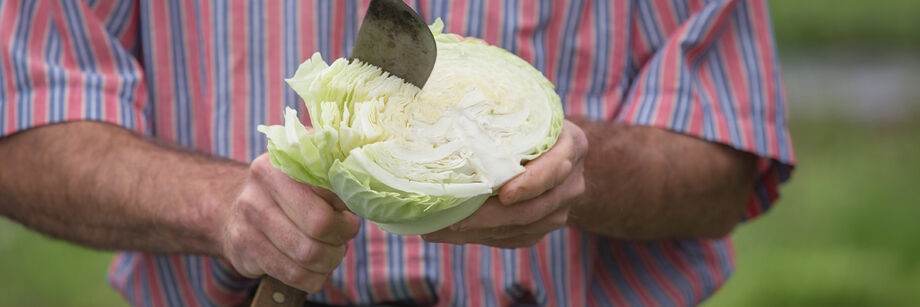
248, 271
580, 139
261, 164
238, 237
261, 159
258, 212
314, 283
245, 201
579, 185
295, 276
234, 232
432, 238
355, 225
246, 268
562, 219
306, 254
566, 169
322, 226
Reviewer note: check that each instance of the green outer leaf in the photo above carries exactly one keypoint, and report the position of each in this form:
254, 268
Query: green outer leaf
556, 123
374, 200
437, 220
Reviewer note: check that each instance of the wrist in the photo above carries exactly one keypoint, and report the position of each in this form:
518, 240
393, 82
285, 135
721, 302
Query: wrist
215, 209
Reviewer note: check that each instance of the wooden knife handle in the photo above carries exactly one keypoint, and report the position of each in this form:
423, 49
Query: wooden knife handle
274, 293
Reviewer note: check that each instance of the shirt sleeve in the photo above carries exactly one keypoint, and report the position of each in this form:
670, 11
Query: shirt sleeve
58, 63
710, 70
178, 280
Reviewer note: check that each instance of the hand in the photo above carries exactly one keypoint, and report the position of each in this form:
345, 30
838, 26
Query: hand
532, 204
291, 231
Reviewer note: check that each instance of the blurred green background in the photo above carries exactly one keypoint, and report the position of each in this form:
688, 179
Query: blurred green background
843, 233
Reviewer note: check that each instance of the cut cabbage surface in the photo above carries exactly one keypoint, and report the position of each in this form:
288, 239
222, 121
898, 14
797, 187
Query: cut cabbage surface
414, 161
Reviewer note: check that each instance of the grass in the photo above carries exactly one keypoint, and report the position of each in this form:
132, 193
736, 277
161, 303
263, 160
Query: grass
844, 232
836, 25
40, 271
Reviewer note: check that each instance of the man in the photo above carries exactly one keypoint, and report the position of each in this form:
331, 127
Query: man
680, 101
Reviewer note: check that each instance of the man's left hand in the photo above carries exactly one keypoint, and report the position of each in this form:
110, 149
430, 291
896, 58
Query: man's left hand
531, 205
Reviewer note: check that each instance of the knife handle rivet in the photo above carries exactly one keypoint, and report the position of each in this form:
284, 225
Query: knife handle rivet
278, 297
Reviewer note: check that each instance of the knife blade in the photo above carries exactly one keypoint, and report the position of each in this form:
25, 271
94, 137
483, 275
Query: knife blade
396, 39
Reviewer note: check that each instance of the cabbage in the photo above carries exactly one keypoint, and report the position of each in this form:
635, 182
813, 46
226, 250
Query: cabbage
414, 161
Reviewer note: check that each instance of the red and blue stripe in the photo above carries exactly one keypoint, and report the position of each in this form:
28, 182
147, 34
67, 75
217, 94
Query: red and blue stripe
206, 73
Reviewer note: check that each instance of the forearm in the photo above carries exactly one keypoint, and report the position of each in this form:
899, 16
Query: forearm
645, 183
105, 187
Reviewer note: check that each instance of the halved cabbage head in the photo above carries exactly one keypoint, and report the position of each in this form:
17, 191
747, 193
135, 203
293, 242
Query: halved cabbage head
415, 161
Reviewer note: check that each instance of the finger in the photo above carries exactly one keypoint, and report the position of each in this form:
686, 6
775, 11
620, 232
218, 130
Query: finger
336, 228
309, 253
516, 242
579, 141
252, 254
449, 236
493, 214
551, 222
312, 214
276, 264
330, 198
315, 221
242, 238
505, 237
547, 171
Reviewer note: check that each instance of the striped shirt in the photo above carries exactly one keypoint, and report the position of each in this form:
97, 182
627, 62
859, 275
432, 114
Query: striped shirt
206, 73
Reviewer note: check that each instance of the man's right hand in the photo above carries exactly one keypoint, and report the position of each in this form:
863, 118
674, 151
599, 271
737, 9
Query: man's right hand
110, 188
286, 229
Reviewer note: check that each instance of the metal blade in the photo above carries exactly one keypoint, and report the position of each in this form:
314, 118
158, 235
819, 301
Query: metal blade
396, 39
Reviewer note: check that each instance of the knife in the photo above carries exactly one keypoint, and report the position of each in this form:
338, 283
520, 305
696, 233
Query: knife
396, 39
